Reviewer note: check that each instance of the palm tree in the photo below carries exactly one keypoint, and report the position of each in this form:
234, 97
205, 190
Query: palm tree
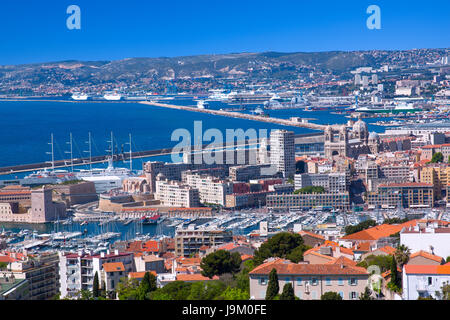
402, 254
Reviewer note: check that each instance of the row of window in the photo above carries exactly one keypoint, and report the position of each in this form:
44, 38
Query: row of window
314, 281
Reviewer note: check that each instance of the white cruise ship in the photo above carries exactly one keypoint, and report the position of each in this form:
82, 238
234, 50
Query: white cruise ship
105, 179
79, 96
112, 96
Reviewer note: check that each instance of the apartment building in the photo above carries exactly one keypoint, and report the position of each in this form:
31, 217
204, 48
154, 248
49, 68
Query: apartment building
282, 152
436, 174
406, 195
77, 270
423, 281
210, 189
189, 240
310, 281
334, 182
41, 273
176, 194
308, 201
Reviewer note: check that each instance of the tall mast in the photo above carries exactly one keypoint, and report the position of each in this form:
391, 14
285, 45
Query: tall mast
89, 151
52, 152
71, 151
130, 153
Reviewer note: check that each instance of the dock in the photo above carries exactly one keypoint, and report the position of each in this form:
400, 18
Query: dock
284, 122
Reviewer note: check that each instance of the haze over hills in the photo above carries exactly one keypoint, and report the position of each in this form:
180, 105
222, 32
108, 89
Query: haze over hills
275, 65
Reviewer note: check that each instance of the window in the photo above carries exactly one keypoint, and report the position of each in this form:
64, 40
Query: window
328, 281
299, 281
314, 281
430, 281
353, 295
262, 281
340, 282
341, 293
353, 281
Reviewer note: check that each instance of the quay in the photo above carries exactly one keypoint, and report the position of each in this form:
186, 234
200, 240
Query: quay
300, 138
230, 114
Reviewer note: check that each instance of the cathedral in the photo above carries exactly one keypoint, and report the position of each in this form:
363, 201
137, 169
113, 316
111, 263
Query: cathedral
350, 140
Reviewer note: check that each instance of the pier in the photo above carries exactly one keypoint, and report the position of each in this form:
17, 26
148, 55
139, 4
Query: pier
284, 122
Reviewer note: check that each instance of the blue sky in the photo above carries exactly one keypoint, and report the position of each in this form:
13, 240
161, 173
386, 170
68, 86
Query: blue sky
35, 31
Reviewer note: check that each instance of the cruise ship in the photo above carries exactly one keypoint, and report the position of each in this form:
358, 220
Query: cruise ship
79, 96
105, 179
391, 108
47, 177
112, 96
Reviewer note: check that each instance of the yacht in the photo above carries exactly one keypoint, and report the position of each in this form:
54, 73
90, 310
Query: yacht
105, 179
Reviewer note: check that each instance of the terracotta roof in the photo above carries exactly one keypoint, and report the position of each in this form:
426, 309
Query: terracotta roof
364, 246
427, 269
189, 261
426, 255
387, 249
343, 260
288, 268
194, 277
228, 246
317, 254
113, 266
377, 232
312, 234
407, 184
139, 275
245, 257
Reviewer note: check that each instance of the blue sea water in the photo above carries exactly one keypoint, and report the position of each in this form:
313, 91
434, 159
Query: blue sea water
26, 126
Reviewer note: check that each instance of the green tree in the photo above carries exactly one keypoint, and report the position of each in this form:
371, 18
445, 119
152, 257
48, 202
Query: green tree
176, 290
127, 289
447, 259
330, 295
220, 262
234, 294
147, 285
310, 189
280, 245
402, 254
95, 286
288, 292
360, 226
395, 283
366, 295
444, 294
242, 278
273, 287
3, 265
296, 255
437, 157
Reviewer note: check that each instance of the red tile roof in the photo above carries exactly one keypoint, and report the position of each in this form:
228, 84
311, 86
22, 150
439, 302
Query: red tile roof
287, 268
194, 277
427, 269
426, 255
113, 266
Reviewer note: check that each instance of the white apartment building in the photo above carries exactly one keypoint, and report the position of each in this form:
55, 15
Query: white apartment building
332, 182
176, 194
210, 189
77, 270
282, 152
431, 236
424, 281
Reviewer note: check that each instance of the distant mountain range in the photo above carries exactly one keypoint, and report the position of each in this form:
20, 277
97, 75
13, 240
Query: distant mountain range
275, 65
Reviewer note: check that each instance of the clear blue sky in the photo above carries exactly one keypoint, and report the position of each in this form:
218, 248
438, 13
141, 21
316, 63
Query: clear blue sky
35, 30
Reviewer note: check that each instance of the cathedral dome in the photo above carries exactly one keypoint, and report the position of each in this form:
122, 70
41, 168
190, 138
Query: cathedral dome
373, 136
360, 126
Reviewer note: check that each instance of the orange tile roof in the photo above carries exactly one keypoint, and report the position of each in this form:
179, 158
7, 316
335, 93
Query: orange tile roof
364, 246
312, 234
245, 257
113, 266
189, 261
139, 275
317, 254
288, 268
343, 260
427, 269
377, 232
228, 246
426, 255
194, 277
387, 249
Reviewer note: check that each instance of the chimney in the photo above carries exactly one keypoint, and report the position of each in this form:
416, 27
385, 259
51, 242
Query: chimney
108, 252
102, 254
116, 252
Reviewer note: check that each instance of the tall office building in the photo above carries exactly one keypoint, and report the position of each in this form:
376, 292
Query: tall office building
282, 152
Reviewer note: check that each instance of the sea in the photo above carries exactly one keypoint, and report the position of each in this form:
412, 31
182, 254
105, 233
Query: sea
26, 128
